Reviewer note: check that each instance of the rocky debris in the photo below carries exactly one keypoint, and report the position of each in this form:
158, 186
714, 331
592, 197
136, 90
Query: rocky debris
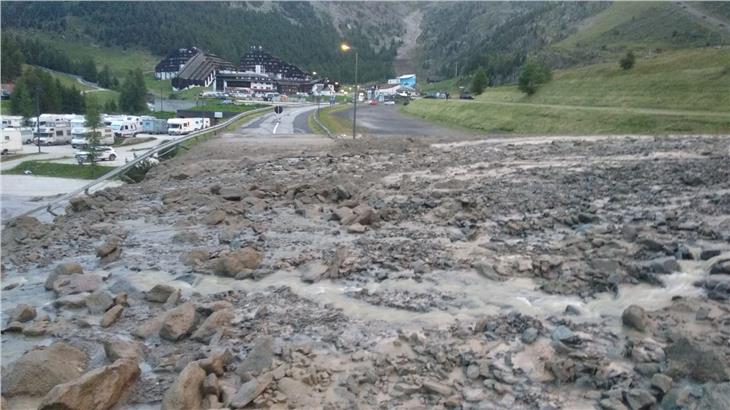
22, 313
159, 293
178, 322
75, 301
239, 263
117, 348
297, 393
687, 359
231, 193
98, 389
62, 270
635, 317
79, 283
250, 390
313, 271
149, 327
662, 383
721, 266
99, 301
664, 265
187, 390
717, 289
39, 370
638, 399
213, 324
436, 388
529, 335
258, 359
111, 316
195, 256
109, 251
215, 218
217, 362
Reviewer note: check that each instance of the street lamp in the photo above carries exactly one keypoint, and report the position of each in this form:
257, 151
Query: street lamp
345, 48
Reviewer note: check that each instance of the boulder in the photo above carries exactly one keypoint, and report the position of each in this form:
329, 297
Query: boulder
216, 217
365, 214
486, 270
149, 327
345, 215
686, 358
217, 362
258, 359
212, 324
37, 371
22, 313
635, 317
72, 284
99, 301
210, 385
436, 388
356, 228
529, 335
187, 390
109, 251
116, 349
638, 399
178, 322
715, 396
232, 194
111, 316
661, 382
98, 389
250, 390
664, 265
297, 393
195, 256
313, 271
239, 261
159, 293
75, 301
60, 270
720, 267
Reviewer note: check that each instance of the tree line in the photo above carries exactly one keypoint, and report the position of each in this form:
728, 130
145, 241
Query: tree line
37, 90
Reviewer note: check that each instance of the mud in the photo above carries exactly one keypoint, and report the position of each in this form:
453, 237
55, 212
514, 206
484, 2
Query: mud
410, 273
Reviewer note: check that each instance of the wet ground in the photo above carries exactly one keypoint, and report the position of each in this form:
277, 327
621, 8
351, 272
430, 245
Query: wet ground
411, 273
384, 120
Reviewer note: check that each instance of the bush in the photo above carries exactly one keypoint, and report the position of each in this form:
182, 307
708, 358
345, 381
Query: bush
627, 61
479, 82
532, 76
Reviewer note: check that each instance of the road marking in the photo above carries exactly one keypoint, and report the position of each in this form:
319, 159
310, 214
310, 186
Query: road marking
275, 127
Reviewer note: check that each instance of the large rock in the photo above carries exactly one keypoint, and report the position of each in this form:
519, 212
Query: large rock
686, 358
178, 322
258, 359
663, 265
116, 349
312, 271
715, 396
22, 313
721, 266
239, 261
639, 399
72, 284
250, 390
60, 270
159, 293
635, 317
36, 372
366, 215
99, 302
109, 251
212, 324
187, 390
99, 389
297, 393
111, 316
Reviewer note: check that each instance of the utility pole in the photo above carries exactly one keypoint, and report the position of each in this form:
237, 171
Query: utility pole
357, 95
456, 75
38, 116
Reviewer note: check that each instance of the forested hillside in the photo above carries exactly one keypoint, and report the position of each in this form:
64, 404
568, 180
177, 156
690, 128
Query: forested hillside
295, 31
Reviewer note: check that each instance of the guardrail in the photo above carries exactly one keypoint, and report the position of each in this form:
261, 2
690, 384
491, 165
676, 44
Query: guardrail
319, 123
166, 147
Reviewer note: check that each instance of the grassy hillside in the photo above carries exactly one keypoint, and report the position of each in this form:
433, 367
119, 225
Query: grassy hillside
678, 91
66, 80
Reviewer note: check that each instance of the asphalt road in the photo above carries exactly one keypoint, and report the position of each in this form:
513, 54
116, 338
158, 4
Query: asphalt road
292, 121
388, 120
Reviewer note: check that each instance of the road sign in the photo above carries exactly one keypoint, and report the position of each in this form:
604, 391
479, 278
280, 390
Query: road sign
278, 109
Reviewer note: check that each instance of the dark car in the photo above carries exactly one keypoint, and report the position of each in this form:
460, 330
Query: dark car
466, 96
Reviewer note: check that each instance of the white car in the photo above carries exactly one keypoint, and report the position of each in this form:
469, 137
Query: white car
102, 154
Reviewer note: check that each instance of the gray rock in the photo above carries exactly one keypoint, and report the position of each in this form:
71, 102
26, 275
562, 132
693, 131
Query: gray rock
702, 314
78, 283
60, 270
436, 388
612, 404
686, 358
75, 301
572, 310
99, 301
111, 316
715, 396
664, 265
562, 334
36, 372
116, 349
22, 313
187, 390
472, 372
487, 271
639, 399
530, 335
661, 382
250, 390
635, 317
212, 324
709, 253
159, 293
720, 267
258, 359
178, 322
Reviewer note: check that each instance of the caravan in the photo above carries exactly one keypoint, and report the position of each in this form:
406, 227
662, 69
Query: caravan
200, 123
151, 125
80, 136
54, 133
125, 128
179, 126
12, 121
11, 140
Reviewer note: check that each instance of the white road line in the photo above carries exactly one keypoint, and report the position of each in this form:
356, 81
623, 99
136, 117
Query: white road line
275, 127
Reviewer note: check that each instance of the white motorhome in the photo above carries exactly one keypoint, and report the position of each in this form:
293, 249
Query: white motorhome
125, 128
14, 121
80, 136
11, 140
180, 126
200, 123
46, 118
54, 133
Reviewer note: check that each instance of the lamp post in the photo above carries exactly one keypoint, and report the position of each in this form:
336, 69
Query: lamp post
345, 47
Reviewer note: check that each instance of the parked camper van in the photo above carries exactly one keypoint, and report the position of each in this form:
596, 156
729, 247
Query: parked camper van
80, 136
180, 126
14, 121
11, 141
54, 133
200, 123
125, 128
151, 125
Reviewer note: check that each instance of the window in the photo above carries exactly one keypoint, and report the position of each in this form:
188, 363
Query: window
59, 133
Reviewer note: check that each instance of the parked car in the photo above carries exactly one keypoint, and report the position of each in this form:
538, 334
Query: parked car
466, 96
102, 154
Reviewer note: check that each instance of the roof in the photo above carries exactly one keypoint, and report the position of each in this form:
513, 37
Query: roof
201, 65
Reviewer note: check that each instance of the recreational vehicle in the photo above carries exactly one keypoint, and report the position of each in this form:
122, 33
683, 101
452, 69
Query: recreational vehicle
200, 123
54, 133
80, 136
11, 141
180, 126
125, 128
151, 125
14, 121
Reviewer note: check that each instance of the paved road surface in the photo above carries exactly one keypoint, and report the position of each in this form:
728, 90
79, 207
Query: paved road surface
292, 121
388, 120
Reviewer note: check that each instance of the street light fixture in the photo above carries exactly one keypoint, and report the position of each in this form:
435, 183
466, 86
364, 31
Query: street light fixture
345, 48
